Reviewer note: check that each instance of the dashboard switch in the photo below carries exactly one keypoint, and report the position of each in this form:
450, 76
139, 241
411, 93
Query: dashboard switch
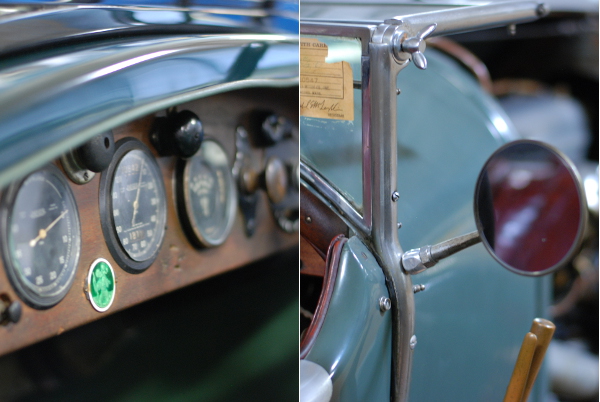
9, 311
179, 134
93, 156
96, 154
269, 128
274, 180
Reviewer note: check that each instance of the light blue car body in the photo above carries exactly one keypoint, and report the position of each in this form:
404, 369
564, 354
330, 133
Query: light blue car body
472, 317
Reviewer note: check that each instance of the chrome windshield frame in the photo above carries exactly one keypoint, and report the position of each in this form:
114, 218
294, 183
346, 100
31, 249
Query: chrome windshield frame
360, 220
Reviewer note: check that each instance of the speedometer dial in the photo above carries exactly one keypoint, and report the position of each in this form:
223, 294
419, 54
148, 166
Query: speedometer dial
40, 223
133, 206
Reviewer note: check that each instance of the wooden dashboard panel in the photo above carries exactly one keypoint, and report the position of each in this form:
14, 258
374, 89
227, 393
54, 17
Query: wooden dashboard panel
178, 263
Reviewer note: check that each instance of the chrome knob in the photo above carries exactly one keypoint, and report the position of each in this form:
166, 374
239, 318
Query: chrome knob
416, 46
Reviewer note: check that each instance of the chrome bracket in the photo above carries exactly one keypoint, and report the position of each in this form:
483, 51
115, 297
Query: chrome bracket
413, 47
419, 259
405, 44
74, 170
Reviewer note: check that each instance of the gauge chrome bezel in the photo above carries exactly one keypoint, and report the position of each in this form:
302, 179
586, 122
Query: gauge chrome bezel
27, 292
185, 210
120, 255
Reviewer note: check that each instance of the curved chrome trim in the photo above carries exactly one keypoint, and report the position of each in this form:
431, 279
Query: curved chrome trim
450, 19
366, 143
25, 10
361, 32
60, 23
332, 196
51, 105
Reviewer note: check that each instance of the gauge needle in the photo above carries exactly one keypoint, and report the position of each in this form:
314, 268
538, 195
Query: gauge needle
137, 196
44, 232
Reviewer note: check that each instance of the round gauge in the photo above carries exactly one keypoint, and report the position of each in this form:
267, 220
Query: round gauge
206, 195
40, 222
133, 206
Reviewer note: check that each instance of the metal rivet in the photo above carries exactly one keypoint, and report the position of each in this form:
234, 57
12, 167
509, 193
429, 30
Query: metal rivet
385, 303
308, 219
398, 91
418, 288
413, 341
399, 225
395, 196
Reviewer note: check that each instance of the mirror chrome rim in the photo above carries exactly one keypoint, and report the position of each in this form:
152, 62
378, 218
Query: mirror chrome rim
568, 164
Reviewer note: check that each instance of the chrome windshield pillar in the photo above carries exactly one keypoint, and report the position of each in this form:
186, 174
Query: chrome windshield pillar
384, 68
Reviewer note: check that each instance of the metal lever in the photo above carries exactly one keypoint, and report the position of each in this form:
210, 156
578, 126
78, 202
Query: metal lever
416, 46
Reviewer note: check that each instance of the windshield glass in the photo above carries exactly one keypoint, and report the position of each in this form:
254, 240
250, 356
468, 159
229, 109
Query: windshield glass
331, 111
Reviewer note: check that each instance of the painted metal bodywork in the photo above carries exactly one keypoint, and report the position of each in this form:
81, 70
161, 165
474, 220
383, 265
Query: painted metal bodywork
470, 320
354, 343
54, 103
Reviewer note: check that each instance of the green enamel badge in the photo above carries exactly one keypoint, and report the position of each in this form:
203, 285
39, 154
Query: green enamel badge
101, 284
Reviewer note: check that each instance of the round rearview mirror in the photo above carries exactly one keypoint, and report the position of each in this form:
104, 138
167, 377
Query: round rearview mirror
530, 207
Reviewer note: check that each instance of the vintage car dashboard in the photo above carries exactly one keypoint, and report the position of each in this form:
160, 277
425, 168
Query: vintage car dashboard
148, 156
78, 245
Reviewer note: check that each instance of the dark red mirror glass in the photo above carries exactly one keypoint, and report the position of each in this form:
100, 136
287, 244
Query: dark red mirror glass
529, 207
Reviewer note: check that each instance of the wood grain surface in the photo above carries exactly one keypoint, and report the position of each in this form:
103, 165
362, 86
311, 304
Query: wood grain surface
178, 263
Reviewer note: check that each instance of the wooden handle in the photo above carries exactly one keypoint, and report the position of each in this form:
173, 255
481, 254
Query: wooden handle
518, 380
544, 330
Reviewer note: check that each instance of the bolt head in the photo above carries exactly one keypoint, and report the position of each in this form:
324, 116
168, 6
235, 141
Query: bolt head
385, 304
411, 262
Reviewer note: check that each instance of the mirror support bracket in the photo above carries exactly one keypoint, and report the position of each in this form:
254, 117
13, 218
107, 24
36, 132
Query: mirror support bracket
418, 260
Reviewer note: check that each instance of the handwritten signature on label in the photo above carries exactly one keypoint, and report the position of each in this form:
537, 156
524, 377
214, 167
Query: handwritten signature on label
326, 89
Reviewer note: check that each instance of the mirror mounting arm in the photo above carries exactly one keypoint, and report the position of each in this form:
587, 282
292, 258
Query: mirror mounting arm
418, 260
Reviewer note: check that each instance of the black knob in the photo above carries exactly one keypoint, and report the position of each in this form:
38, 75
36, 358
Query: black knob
9, 311
13, 312
269, 127
96, 154
179, 134
275, 128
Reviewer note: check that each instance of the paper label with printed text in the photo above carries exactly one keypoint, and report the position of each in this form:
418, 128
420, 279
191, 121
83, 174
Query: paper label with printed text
326, 89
